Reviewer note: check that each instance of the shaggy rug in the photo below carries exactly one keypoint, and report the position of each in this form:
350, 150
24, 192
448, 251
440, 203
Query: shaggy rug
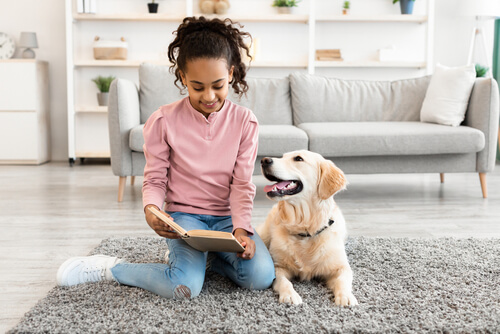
402, 285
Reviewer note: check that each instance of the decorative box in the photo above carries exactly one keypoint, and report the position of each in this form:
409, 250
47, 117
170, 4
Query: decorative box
110, 49
388, 54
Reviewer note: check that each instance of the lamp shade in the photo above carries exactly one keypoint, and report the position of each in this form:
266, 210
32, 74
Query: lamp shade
485, 8
28, 40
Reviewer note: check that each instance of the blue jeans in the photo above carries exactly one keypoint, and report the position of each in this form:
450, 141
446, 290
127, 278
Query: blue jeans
187, 265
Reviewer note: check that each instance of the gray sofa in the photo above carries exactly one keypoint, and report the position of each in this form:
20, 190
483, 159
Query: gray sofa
363, 126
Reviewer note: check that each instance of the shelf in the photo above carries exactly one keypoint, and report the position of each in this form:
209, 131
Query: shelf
279, 63
115, 63
18, 60
91, 109
137, 63
374, 18
87, 122
128, 17
290, 18
176, 18
262, 64
370, 63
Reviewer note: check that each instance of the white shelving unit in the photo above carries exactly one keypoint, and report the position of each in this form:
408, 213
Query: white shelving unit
87, 123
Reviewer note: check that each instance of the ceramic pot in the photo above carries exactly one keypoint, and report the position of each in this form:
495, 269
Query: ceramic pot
153, 7
285, 10
406, 6
102, 99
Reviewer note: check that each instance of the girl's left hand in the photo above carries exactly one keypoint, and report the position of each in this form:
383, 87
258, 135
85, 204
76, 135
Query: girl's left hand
242, 236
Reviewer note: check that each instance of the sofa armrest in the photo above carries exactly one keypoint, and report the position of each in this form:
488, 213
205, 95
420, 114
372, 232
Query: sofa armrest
123, 115
482, 114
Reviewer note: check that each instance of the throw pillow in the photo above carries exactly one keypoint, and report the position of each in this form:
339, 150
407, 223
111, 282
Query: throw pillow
448, 94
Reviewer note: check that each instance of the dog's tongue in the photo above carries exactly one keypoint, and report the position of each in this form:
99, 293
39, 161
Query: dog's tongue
279, 185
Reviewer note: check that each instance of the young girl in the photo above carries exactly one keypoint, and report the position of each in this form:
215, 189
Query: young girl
200, 154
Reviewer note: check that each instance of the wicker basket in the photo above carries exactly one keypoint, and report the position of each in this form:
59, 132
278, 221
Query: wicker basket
110, 49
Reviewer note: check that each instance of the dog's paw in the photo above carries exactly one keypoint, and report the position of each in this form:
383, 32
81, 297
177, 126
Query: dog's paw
345, 299
290, 297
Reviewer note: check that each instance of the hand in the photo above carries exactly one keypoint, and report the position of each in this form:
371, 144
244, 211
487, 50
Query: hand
161, 228
242, 236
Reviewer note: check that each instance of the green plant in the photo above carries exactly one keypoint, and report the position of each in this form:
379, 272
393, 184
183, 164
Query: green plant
103, 83
481, 71
394, 1
347, 5
285, 3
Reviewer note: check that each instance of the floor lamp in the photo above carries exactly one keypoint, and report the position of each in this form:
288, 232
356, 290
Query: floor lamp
482, 11
478, 34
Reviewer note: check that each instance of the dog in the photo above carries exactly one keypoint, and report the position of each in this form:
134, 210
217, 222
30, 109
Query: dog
305, 231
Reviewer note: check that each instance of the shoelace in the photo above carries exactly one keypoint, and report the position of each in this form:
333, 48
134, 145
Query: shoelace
94, 274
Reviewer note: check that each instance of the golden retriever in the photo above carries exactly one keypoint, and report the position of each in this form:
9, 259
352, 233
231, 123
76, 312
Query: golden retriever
305, 231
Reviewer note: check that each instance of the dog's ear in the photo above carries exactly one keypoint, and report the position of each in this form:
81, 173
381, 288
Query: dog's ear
331, 180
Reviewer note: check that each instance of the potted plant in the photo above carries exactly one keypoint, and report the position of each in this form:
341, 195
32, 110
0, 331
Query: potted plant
285, 6
103, 84
406, 6
345, 8
153, 7
481, 71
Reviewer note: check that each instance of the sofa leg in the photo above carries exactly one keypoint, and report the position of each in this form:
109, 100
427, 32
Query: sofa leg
121, 187
484, 188
132, 180
441, 176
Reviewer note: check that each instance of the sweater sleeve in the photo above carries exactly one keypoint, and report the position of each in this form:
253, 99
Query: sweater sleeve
242, 190
157, 153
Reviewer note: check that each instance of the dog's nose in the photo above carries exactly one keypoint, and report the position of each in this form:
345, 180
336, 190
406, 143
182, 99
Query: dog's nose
266, 162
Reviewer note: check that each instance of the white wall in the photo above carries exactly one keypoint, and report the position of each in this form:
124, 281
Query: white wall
46, 18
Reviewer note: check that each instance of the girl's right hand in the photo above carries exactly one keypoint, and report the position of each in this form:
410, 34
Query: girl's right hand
161, 228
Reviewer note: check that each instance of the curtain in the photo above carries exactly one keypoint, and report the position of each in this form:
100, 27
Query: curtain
495, 70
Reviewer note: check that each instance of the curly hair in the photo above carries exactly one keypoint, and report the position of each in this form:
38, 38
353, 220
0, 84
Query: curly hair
213, 39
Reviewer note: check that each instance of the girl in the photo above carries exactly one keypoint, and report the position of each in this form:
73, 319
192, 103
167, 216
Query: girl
200, 154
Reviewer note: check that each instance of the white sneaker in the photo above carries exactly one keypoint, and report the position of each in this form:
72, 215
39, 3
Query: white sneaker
78, 270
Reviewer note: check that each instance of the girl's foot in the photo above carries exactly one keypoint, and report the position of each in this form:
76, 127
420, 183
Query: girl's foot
84, 269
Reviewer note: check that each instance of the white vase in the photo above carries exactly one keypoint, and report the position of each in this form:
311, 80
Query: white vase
102, 99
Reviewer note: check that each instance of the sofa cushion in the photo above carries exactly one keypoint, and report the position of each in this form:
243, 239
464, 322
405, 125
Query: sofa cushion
269, 99
448, 95
321, 99
349, 139
157, 88
274, 140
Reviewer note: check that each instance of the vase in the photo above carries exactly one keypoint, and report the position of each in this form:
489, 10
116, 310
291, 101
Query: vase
285, 10
406, 6
102, 99
153, 7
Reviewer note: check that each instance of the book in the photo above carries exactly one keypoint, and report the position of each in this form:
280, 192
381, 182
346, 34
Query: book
329, 55
202, 240
79, 7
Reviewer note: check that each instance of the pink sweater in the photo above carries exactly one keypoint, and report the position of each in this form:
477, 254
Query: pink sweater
199, 165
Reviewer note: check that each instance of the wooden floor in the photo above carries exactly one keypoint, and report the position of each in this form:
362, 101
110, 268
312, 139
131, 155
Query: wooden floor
52, 212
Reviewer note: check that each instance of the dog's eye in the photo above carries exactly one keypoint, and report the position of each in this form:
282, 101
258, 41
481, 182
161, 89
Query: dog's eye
298, 158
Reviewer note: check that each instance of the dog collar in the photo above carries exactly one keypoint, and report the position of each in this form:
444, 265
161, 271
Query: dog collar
306, 235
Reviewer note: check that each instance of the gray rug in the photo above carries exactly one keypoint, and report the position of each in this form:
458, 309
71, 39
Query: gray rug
402, 285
